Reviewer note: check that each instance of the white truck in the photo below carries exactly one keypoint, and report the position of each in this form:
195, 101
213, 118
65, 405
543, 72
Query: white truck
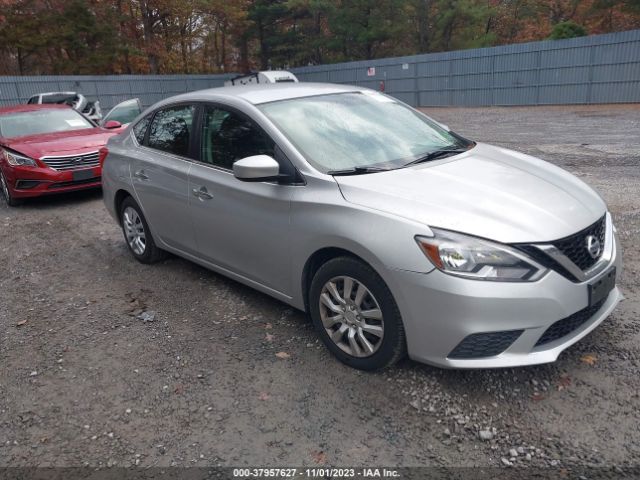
269, 76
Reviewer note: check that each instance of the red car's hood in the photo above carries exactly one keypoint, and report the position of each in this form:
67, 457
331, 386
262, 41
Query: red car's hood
60, 143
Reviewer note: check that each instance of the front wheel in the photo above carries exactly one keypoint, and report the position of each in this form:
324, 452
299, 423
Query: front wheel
137, 234
12, 202
356, 315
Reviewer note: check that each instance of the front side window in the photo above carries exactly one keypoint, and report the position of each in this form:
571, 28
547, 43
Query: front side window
358, 130
228, 136
170, 130
36, 122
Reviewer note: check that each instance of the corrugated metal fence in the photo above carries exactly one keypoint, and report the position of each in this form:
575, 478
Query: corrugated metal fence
596, 69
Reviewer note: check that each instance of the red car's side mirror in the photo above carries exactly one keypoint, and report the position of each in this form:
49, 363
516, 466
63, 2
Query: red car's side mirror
111, 124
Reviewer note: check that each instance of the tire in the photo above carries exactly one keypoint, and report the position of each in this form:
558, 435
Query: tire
137, 234
4, 187
364, 316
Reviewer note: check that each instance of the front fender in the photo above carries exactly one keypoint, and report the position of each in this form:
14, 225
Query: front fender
321, 218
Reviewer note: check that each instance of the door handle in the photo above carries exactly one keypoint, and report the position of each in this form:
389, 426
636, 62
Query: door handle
141, 175
202, 194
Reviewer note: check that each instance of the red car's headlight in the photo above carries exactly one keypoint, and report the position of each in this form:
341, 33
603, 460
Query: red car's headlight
17, 160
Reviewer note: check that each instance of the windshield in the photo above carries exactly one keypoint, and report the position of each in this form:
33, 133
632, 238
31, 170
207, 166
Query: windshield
20, 124
358, 130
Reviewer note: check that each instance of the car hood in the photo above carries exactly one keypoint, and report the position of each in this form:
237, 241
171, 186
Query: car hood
60, 143
488, 191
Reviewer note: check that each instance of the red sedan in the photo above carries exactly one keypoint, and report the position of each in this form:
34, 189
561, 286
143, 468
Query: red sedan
47, 149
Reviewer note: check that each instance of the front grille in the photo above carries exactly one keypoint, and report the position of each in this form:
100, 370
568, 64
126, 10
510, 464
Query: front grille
479, 345
546, 261
564, 327
73, 162
575, 246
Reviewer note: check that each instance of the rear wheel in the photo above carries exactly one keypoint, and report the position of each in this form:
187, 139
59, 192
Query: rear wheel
137, 234
356, 315
12, 202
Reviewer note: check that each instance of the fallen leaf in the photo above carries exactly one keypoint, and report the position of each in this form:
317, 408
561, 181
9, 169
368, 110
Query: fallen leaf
564, 382
264, 396
20, 323
319, 457
588, 359
536, 397
268, 337
282, 355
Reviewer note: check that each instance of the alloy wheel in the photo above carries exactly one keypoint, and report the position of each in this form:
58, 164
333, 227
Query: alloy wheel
351, 316
134, 230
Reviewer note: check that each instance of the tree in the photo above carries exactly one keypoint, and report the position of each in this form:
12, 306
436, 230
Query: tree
567, 29
463, 24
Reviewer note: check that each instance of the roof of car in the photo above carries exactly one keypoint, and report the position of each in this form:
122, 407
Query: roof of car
30, 108
263, 93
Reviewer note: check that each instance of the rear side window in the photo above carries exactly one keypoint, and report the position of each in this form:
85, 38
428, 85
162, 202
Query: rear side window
170, 130
140, 129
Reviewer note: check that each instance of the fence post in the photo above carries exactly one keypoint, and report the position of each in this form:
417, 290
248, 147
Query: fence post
538, 74
592, 59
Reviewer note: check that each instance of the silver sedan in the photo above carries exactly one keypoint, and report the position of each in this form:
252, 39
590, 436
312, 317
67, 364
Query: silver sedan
395, 234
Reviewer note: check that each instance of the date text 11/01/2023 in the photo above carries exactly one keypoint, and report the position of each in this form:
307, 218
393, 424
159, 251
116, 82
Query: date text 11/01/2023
315, 473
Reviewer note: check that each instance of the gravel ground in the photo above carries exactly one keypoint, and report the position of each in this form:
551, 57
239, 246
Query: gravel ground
199, 382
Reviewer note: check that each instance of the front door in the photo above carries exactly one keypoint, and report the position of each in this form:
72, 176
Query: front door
240, 226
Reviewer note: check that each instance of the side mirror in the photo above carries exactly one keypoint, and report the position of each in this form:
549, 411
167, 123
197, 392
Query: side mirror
258, 168
111, 124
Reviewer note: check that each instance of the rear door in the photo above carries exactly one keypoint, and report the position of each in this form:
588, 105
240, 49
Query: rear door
160, 172
240, 226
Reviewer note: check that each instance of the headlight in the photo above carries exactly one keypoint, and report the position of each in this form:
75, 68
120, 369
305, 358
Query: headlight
476, 258
18, 160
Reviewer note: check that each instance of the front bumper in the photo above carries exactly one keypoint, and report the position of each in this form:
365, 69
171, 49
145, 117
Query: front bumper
439, 311
27, 182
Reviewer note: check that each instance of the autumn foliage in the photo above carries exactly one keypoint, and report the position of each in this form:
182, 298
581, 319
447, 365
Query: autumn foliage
211, 36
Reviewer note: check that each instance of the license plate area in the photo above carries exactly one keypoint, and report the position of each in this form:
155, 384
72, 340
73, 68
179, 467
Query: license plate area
80, 175
601, 288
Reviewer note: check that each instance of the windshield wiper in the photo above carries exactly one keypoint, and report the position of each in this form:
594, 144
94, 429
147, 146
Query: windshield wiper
441, 152
357, 171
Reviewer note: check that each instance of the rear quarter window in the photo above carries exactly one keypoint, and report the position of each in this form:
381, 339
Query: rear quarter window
140, 129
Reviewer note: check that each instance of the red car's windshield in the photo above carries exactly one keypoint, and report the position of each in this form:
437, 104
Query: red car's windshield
21, 124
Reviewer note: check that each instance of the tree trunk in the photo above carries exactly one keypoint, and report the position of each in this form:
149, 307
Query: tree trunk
223, 51
20, 62
264, 47
147, 30
424, 7
244, 54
